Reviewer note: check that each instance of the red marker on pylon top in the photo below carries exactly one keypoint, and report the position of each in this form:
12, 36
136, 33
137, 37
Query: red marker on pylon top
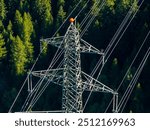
71, 20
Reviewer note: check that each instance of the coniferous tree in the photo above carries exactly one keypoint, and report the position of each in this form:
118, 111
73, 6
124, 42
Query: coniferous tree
110, 4
9, 27
9, 33
12, 6
18, 23
24, 6
42, 9
93, 5
124, 5
3, 50
60, 3
2, 10
18, 56
9, 40
135, 3
2, 28
44, 48
27, 31
24, 28
61, 13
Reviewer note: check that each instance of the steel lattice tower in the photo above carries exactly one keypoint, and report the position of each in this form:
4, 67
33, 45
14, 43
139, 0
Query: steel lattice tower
70, 77
72, 83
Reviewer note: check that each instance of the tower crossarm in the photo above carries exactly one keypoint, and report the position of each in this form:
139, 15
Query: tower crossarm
85, 47
88, 48
55, 41
91, 84
53, 75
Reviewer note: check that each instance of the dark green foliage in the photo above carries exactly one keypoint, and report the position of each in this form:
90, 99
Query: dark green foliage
3, 50
24, 6
2, 47
12, 5
42, 10
7, 98
61, 13
2, 10
27, 31
44, 48
18, 20
60, 3
24, 28
18, 56
9, 28
110, 4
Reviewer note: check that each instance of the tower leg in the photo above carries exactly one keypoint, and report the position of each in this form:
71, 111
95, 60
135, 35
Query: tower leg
115, 102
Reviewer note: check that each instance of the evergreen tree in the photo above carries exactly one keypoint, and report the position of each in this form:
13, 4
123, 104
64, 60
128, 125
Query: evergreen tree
1, 27
27, 31
2, 47
61, 14
18, 23
135, 3
44, 48
9, 27
2, 10
24, 28
42, 9
24, 6
12, 6
9, 34
18, 56
110, 4
9, 40
93, 5
60, 3
125, 3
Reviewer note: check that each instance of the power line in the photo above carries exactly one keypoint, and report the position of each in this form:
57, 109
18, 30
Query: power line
130, 67
130, 87
92, 18
112, 42
90, 12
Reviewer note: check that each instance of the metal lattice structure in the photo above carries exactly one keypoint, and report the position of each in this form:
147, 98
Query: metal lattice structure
72, 79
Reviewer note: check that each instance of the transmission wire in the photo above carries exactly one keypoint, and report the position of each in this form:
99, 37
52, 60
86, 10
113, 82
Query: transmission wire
130, 88
129, 67
109, 55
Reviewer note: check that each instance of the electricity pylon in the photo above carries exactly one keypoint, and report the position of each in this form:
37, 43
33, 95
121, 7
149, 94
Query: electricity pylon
72, 79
